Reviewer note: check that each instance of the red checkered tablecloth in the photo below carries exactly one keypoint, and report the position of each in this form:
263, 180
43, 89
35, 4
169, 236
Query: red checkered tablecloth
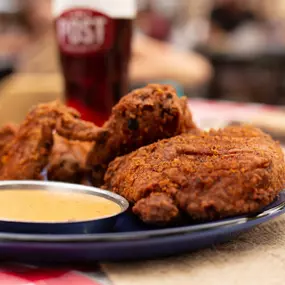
16, 274
47, 277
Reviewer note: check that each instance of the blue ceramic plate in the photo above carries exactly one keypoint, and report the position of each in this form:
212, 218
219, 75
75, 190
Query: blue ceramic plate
130, 239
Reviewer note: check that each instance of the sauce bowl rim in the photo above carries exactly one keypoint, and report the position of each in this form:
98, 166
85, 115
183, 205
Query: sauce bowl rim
63, 187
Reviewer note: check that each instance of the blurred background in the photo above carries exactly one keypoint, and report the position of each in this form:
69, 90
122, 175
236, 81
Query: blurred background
217, 49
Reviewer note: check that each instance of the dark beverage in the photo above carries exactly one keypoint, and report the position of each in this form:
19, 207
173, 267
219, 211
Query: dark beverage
94, 48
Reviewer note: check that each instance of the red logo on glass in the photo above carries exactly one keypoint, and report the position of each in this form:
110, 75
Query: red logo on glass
83, 31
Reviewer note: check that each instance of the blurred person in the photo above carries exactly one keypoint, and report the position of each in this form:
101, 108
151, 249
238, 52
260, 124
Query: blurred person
258, 24
152, 23
228, 15
152, 58
155, 60
21, 22
12, 33
191, 25
236, 27
170, 22
37, 16
273, 13
179, 22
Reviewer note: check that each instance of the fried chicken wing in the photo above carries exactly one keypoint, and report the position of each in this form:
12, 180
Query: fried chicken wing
67, 162
29, 150
142, 117
7, 133
207, 175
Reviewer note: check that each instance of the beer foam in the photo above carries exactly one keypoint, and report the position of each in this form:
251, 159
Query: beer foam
118, 9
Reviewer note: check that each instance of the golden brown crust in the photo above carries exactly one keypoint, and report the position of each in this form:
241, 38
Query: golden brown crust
72, 128
7, 133
29, 150
208, 175
142, 117
67, 162
157, 208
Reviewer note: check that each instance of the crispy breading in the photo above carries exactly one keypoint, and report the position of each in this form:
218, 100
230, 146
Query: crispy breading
142, 117
7, 133
67, 162
208, 175
28, 152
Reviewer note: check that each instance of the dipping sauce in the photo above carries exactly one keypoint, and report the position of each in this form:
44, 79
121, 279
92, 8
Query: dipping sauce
53, 206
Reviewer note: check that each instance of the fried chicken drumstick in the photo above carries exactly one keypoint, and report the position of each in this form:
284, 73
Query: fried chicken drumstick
207, 175
28, 152
142, 117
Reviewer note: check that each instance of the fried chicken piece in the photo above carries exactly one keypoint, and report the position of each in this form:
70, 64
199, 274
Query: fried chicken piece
207, 175
79, 130
158, 207
28, 152
7, 133
142, 117
67, 162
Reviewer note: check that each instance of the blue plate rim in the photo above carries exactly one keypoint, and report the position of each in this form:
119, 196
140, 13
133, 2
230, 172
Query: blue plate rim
142, 235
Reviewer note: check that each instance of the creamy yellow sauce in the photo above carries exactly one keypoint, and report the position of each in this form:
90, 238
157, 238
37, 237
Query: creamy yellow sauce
53, 206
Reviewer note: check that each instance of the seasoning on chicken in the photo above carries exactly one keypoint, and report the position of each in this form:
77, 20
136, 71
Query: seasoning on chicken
7, 133
28, 152
67, 162
142, 117
207, 175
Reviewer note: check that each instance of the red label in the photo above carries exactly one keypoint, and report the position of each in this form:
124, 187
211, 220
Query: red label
45, 278
83, 31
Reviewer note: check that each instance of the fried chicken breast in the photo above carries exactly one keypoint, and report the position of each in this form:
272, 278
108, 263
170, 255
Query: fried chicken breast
205, 175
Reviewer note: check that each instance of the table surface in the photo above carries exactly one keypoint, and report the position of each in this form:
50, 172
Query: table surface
255, 257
